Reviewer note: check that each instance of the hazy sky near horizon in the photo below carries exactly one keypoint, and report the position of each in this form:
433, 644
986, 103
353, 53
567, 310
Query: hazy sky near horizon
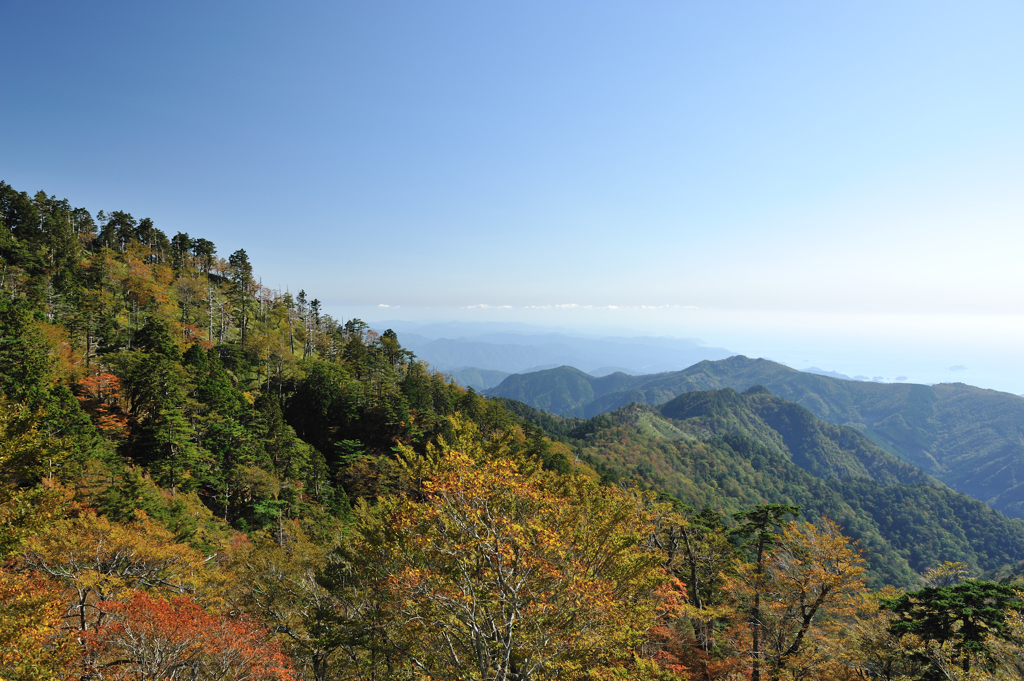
843, 164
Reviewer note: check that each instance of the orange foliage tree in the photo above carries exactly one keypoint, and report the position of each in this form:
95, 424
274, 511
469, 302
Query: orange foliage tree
100, 396
147, 637
663, 645
700, 555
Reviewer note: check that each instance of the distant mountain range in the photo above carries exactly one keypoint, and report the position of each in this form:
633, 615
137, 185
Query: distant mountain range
481, 355
478, 379
730, 451
969, 438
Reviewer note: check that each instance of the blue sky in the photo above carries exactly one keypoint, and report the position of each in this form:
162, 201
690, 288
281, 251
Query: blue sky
780, 178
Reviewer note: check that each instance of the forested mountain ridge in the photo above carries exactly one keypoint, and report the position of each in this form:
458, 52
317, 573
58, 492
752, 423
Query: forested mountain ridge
728, 450
204, 478
565, 391
967, 437
823, 449
158, 352
154, 395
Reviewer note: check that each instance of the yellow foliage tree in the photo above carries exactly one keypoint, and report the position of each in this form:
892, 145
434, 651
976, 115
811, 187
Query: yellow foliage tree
33, 646
503, 574
97, 559
27, 453
812, 580
277, 577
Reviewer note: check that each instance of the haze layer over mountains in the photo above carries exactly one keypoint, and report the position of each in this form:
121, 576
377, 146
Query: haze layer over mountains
482, 355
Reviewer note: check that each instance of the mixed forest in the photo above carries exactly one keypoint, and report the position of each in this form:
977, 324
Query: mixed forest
206, 479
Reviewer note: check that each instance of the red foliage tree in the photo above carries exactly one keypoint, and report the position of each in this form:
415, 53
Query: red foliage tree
151, 638
193, 334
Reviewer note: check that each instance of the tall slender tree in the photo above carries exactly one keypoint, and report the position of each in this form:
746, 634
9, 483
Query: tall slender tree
757, 530
241, 277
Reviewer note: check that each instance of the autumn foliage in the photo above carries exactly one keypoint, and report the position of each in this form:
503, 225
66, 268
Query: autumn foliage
99, 560
33, 644
149, 637
506, 573
205, 479
100, 396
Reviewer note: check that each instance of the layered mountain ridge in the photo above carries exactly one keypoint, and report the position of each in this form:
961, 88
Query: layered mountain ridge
969, 438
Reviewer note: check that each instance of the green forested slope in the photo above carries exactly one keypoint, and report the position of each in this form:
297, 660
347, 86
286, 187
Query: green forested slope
169, 368
728, 451
967, 437
821, 448
564, 390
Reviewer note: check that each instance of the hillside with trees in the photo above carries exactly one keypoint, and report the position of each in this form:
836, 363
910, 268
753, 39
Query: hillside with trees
967, 437
728, 451
206, 479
